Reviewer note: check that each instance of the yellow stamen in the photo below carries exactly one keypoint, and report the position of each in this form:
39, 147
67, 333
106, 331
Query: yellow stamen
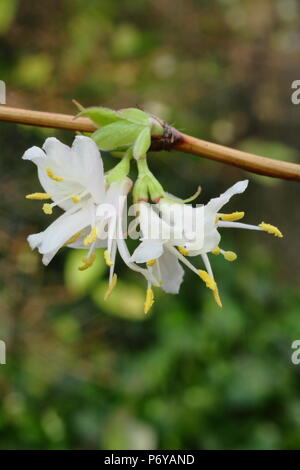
211, 284
111, 287
271, 229
149, 300
47, 208
39, 196
232, 217
216, 251
107, 258
87, 262
76, 198
151, 262
73, 239
217, 297
91, 237
53, 176
209, 281
183, 250
229, 255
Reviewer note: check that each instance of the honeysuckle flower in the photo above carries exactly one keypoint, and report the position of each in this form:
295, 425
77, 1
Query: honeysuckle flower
95, 215
94, 204
214, 219
155, 249
73, 179
158, 250
197, 238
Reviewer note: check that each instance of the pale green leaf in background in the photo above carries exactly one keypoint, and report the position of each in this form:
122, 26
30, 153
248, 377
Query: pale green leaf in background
126, 300
80, 282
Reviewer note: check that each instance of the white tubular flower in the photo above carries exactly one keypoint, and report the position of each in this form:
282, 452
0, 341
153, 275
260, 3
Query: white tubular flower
214, 219
94, 210
156, 250
73, 178
194, 231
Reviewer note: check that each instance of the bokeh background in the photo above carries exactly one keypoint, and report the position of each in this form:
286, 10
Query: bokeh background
85, 374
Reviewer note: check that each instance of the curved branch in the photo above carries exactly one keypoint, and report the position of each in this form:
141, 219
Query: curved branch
172, 139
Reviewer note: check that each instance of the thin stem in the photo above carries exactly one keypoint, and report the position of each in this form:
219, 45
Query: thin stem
246, 161
44, 119
183, 142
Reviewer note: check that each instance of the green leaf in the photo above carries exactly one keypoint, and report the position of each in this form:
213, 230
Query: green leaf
142, 143
116, 135
135, 115
101, 116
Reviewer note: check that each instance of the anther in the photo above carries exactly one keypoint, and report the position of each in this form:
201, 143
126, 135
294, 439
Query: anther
151, 262
107, 258
53, 176
183, 250
149, 300
271, 229
111, 287
91, 237
47, 208
39, 196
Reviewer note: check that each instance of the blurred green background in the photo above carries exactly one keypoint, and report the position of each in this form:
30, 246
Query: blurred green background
84, 374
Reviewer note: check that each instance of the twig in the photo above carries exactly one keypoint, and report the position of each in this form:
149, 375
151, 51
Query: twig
246, 161
173, 139
43, 119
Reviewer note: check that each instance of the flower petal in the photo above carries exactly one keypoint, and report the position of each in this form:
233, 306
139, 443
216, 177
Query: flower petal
57, 157
58, 154
147, 250
35, 154
63, 228
171, 272
215, 204
88, 166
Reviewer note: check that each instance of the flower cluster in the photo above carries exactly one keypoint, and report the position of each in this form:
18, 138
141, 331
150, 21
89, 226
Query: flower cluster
94, 204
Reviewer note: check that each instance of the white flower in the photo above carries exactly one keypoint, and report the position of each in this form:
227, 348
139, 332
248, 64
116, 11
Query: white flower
73, 178
95, 211
95, 216
158, 250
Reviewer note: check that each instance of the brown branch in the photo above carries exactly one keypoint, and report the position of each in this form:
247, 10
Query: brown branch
172, 139
43, 119
246, 161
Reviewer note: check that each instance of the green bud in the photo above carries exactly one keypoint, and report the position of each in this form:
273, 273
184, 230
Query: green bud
146, 184
155, 189
140, 190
